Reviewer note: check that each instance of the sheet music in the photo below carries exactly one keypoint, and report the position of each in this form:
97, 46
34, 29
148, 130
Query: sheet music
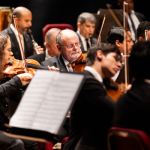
46, 101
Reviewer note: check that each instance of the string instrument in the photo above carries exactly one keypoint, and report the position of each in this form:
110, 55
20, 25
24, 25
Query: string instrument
80, 63
16, 67
114, 90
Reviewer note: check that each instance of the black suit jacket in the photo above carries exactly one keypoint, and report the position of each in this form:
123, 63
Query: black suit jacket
28, 47
57, 62
133, 108
91, 117
93, 41
140, 16
6, 90
39, 57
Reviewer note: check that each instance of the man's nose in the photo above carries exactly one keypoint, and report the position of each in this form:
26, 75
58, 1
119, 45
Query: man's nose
30, 24
119, 64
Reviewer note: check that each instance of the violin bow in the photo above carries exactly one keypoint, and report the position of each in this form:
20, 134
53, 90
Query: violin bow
146, 35
113, 15
20, 43
125, 41
101, 28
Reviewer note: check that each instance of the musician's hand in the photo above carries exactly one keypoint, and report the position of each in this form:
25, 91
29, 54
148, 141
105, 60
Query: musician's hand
122, 57
128, 87
53, 68
40, 50
25, 78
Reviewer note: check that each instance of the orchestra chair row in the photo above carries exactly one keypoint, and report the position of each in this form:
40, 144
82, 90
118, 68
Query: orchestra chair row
127, 139
59, 26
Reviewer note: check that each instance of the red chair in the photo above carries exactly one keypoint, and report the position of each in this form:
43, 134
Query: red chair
127, 139
59, 26
49, 145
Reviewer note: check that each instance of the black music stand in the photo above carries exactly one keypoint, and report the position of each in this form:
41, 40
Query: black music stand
109, 22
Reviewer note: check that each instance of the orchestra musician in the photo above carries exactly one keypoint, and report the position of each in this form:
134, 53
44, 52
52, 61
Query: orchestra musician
85, 29
92, 113
134, 18
116, 36
132, 108
7, 88
68, 44
50, 43
24, 18
143, 26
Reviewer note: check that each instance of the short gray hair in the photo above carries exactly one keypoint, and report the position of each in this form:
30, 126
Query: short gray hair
86, 16
50, 33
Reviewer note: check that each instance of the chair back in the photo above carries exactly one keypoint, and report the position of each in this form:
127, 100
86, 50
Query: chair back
59, 26
127, 139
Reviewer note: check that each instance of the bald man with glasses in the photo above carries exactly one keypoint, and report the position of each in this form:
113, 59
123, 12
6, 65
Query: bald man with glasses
68, 44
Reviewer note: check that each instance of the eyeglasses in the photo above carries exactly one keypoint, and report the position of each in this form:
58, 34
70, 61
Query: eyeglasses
72, 45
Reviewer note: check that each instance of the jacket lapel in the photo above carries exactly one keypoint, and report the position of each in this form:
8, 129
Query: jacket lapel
61, 63
15, 44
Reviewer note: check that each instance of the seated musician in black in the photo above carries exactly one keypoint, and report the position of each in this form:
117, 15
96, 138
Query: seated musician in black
6, 90
68, 45
92, 113
132, 108
145, 25
116, 36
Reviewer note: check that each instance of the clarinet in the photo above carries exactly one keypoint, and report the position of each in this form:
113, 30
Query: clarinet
35, 45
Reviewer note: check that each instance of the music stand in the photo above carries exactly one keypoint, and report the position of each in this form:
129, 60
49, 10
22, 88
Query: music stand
109, 22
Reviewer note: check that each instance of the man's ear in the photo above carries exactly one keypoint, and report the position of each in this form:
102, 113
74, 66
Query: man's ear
99, 55
78, 25
117, 42
140, 38
47, 44
58, 47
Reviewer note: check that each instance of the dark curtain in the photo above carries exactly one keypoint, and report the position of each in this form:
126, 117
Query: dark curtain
64, 11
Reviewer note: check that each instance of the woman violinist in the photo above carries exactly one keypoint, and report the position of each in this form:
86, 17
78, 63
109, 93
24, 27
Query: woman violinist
7, 88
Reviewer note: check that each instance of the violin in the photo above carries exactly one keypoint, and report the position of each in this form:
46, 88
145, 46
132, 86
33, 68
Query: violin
80, 63
16, 67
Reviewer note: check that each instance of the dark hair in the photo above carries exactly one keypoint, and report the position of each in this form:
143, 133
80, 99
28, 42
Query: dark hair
145, 25
104, 47
3, 42
115, 33
139, 60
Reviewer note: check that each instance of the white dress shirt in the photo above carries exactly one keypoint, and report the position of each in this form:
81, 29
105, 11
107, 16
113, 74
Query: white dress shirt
84, 41
136, 22
47, 55
66, 63
17, 37
94, 73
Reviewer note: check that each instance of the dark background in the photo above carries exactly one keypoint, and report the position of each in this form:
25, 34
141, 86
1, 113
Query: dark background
65, 11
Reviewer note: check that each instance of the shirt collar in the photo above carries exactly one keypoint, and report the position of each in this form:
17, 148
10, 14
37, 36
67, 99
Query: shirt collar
65, 61
15, 31
47, 54
94, 73
82, 37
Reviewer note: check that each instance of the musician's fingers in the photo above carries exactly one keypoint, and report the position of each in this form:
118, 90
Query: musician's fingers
53, 68
122, 57
128, 87
41, 50
25, 78
49, 67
